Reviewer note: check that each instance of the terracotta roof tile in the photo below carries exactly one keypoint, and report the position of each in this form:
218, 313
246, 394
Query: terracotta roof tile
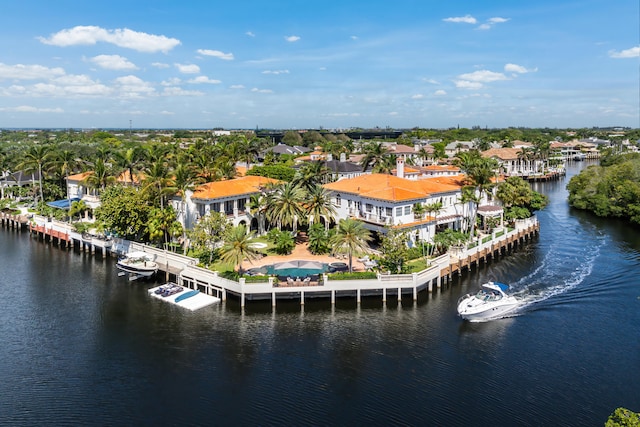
392, 188
233, 187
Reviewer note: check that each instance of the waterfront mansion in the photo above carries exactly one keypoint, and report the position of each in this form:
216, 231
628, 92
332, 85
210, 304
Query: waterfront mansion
380, 201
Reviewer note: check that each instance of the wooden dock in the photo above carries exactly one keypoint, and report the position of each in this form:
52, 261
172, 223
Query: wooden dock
185, 271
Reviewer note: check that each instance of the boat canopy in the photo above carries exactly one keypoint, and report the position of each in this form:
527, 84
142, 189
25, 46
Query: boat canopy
140, 254
502, 286
496, 286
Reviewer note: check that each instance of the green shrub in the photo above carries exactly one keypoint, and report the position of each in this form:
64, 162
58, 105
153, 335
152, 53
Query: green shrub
356, 275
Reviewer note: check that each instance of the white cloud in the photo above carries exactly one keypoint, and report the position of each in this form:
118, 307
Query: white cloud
417, 96
236, 87
276, 72
216, 54
467, 19
30, 109
132, 86
497, 20
177, 91
515, 68
173, 81
250, 34
483, 76
633, 52
354, 37
188, 68
113, 62
465, 84
167, 113
28, 72
203, 79
292, 38
122, 37
255, 89
431, 81
440, 92
491, 22
160, 65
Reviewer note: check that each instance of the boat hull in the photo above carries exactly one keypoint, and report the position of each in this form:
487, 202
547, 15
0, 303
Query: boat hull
483, 312
138, 271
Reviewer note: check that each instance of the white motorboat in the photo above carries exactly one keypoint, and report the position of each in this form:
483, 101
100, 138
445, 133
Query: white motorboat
490, 302
138, 264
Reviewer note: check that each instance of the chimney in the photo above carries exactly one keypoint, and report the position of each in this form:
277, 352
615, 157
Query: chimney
343, 157
400, 167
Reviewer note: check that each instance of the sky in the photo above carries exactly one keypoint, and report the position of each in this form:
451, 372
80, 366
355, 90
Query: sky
292, 64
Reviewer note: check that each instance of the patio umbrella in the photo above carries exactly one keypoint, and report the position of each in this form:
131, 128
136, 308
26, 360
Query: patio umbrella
285, 265
310, 265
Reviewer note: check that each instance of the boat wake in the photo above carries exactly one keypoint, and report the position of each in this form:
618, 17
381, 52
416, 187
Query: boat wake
562, 269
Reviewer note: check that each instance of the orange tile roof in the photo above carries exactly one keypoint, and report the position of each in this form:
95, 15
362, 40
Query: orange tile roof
79, 176
503, 153
233, 187
391, 188
441, 168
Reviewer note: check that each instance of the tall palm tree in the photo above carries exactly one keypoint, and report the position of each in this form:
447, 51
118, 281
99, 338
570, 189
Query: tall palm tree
184, 180
319, 205
351, 237
102, 175
237, 247
130, 160
374, 152
37, 159
258, 209
66, 162
285, 205
311, 174
156, 180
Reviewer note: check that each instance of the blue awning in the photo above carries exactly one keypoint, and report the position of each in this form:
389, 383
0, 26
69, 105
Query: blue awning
63, 204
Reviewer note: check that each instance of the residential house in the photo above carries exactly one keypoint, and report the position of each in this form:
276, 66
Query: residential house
230, 197
514, 162
384, 201
455, 147
286, 149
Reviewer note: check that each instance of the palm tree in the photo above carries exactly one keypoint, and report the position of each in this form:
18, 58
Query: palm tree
352, 237
101, 176
36, 159
311, 174
237, 247
319, 205
130, 160
184, 180
374, 152
156, 181
285, 205
258, 209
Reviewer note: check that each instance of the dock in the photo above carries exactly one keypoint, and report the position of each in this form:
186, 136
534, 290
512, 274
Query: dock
185, 271
193, 303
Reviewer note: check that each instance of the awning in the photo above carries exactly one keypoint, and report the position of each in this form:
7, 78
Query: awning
63, 204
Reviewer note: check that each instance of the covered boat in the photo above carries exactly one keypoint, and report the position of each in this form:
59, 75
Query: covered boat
138, 264
490, 302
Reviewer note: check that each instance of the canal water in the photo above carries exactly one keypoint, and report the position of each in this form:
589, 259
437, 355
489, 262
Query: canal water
80, 345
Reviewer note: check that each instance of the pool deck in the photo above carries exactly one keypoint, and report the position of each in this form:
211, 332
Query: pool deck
301, 252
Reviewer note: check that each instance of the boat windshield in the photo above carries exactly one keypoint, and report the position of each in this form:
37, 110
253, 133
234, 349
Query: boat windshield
486, 295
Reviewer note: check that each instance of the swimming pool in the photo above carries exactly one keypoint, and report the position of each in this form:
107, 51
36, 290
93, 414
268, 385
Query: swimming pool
293, 269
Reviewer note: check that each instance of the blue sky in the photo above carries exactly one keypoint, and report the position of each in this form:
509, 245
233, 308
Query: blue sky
310, 64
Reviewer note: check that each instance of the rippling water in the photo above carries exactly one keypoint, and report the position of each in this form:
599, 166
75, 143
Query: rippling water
79, 345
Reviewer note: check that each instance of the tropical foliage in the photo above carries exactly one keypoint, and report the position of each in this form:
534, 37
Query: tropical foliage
609, 191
